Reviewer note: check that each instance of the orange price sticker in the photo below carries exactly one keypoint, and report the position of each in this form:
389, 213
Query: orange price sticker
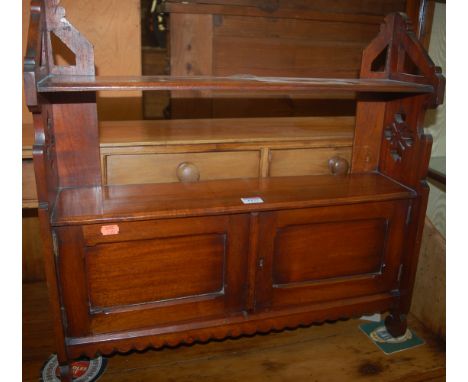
110, 230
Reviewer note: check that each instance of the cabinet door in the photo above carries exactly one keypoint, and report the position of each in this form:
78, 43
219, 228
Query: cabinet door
133, 275
330, 253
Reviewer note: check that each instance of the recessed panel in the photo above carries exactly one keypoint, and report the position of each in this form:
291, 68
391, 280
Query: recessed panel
143, 271
328, 250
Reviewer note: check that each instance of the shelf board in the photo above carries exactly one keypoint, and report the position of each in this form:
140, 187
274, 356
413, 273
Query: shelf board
333, 131
324, 131
234, 83
103, 204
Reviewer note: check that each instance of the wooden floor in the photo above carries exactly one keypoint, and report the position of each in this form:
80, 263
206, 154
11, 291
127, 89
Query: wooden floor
329, 352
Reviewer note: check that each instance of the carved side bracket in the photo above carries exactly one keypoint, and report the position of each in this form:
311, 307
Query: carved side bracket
397, 54
32, 68
57, 23
48, 17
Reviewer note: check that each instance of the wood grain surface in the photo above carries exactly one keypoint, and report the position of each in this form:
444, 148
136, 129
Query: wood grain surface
32, 252
28, 184
111, 283
64, 83
289, 38
149, 201
287, 233
297, 162
162, 168
329, 131
348, 11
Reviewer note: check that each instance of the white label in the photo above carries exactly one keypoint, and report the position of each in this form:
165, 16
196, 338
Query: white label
374, 318
253, 200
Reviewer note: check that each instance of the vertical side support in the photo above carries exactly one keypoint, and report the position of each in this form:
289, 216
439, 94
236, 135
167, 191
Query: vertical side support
405, 154
74, 116
66, 147
367, 135
50, 258
390, 137
77, 139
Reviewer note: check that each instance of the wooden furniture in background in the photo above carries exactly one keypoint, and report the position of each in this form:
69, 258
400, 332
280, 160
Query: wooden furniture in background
131, 266
300, 38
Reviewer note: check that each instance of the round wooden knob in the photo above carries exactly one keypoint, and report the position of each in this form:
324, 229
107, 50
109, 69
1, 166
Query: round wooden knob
187, 172
338, 165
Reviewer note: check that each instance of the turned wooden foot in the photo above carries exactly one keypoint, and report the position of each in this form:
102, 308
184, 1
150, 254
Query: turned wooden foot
65, 373
396, 324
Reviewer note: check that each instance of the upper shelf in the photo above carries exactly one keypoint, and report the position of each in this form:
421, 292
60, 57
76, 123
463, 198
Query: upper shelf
67, 83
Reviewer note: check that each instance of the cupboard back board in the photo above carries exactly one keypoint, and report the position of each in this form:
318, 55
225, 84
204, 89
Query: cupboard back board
301, 38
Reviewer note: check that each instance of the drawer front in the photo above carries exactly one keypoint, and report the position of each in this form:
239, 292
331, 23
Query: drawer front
163, 168
140, 274
29, 184
321, 254
297, 162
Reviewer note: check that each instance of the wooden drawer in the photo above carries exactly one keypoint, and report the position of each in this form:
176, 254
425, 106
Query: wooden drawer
162, 168
297, 162
29, 184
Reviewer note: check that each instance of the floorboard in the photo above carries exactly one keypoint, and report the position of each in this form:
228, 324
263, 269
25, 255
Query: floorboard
329, 352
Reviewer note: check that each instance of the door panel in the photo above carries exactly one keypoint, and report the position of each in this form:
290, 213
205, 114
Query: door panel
329, 253
295, 262
156, 273
155, 270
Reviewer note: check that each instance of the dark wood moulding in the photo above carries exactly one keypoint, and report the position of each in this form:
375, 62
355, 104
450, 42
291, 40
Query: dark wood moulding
64, 83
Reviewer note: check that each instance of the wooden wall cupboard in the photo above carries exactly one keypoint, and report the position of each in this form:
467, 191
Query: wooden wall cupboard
194, 246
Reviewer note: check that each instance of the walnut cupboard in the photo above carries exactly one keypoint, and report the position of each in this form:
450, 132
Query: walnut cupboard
233, 226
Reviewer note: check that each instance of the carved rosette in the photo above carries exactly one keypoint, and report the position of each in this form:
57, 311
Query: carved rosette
400, 136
